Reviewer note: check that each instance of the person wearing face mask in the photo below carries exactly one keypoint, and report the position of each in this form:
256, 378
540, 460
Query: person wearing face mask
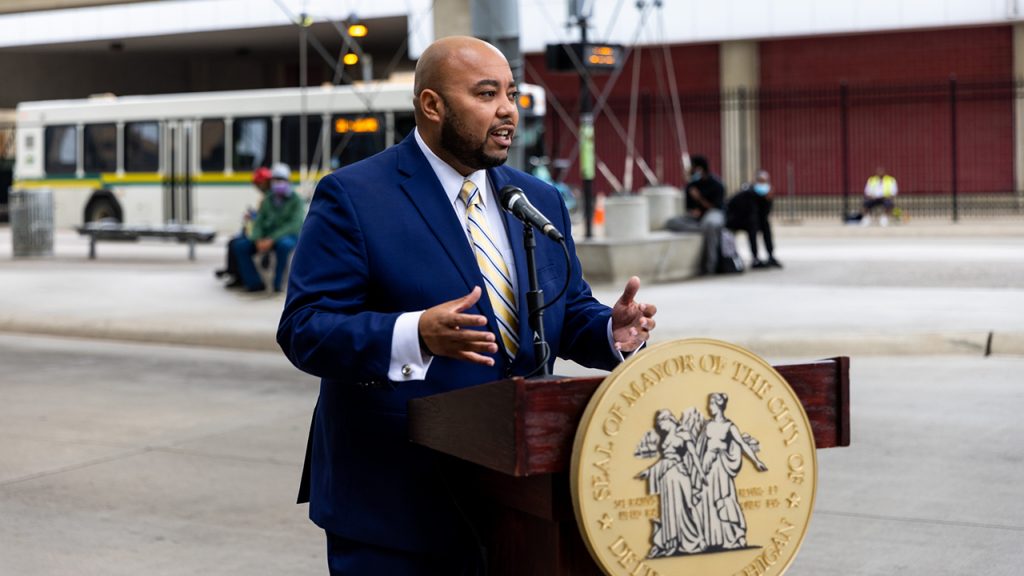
705, 199
274, 229
748, 211
261, 180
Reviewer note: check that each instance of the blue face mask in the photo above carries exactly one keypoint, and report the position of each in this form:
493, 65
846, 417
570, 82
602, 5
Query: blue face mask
280, 188
762, 188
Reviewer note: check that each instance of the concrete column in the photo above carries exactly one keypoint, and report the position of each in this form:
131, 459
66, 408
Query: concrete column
739, 76
452, 18
1018, 104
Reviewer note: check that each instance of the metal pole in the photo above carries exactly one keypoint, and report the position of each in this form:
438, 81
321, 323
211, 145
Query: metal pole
535, 302
952, 145
586, 142
367, 62
844, 130
303, 145
745, 171
791, 190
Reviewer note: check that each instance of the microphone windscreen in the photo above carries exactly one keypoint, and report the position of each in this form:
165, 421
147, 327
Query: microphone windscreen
506, 194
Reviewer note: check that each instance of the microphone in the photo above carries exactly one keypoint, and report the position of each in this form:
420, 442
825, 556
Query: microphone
514, 200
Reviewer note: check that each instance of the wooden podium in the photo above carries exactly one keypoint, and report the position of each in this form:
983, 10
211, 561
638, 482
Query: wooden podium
511, 443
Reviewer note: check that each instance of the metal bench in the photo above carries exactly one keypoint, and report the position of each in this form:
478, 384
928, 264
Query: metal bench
116, 232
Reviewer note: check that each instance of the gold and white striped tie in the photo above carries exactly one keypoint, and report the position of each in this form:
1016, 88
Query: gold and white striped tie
492, 265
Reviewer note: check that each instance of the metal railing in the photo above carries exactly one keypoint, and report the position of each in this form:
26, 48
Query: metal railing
953, 145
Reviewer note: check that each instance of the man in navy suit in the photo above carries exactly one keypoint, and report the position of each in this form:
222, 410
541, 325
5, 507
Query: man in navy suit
387, 302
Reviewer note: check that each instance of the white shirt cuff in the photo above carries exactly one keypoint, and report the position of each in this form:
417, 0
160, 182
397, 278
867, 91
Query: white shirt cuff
615, 351
407, 360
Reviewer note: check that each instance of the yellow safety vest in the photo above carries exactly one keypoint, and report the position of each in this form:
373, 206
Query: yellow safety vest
888, 184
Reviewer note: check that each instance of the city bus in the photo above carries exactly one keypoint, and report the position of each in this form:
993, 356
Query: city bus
189, 158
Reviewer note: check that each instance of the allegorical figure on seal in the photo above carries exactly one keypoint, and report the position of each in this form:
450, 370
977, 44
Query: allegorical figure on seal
722, 458
677, 479
695, 480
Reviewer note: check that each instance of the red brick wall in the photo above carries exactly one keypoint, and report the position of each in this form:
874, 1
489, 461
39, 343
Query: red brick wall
893, 118
897, 57
898, 110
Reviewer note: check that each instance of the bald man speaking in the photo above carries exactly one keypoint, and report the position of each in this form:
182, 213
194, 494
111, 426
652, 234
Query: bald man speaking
410, 280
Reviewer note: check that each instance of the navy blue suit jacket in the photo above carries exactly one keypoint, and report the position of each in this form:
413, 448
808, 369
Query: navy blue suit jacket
381, 238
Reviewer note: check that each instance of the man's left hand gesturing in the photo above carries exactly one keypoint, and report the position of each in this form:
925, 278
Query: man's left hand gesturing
632, 321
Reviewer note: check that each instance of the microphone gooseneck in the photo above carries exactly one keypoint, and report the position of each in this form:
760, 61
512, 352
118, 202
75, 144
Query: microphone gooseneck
514, 200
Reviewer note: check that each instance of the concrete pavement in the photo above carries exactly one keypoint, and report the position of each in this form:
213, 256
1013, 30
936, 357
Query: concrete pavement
121, 458
118, 459
923, 288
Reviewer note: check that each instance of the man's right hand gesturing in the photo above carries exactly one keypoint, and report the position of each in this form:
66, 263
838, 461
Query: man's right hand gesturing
446, 331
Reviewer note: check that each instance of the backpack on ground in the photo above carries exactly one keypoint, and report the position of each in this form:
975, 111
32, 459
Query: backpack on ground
729, 261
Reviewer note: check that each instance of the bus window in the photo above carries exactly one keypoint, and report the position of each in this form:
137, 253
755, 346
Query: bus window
290, 153
404, 124
211, 146
61, 146
99, 145
252, 143
141, 147
354, 137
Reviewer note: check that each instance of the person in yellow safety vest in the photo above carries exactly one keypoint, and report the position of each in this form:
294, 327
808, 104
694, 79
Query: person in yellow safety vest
880, 190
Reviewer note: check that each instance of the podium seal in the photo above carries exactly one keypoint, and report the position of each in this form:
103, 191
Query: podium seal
694, 457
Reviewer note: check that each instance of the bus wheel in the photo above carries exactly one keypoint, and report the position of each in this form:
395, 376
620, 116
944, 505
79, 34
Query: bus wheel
103, 207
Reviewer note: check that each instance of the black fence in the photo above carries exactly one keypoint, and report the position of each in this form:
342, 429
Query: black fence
955, 147
952, 146
908, 206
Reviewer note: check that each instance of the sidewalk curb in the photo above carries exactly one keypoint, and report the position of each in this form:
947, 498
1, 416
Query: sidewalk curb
780, 344
185, 336
874, 344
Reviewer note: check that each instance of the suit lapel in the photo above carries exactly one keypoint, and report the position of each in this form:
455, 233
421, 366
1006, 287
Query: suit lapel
424, 191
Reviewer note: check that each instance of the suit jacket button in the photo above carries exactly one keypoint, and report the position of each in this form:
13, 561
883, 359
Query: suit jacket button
406, 370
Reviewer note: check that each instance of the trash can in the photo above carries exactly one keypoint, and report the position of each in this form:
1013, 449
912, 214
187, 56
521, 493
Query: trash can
31, 213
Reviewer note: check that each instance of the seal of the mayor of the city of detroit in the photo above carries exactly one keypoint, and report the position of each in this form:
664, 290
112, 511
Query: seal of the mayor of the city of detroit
694, 457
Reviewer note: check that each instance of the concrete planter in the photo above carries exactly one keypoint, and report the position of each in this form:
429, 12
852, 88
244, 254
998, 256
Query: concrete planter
658, 257
663, 202
625, 217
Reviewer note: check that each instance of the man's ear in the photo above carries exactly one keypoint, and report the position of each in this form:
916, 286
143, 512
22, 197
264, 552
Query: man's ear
431, 105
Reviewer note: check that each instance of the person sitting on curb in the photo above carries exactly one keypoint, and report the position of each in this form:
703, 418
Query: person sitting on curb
276, 227
748, 211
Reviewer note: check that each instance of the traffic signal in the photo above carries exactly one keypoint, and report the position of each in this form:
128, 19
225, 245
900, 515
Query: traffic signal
594, 57
525, 101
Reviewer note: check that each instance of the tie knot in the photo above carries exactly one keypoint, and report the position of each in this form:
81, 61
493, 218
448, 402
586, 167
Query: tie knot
469, 193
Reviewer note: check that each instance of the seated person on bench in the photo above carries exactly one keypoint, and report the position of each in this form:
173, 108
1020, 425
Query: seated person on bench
275, 228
